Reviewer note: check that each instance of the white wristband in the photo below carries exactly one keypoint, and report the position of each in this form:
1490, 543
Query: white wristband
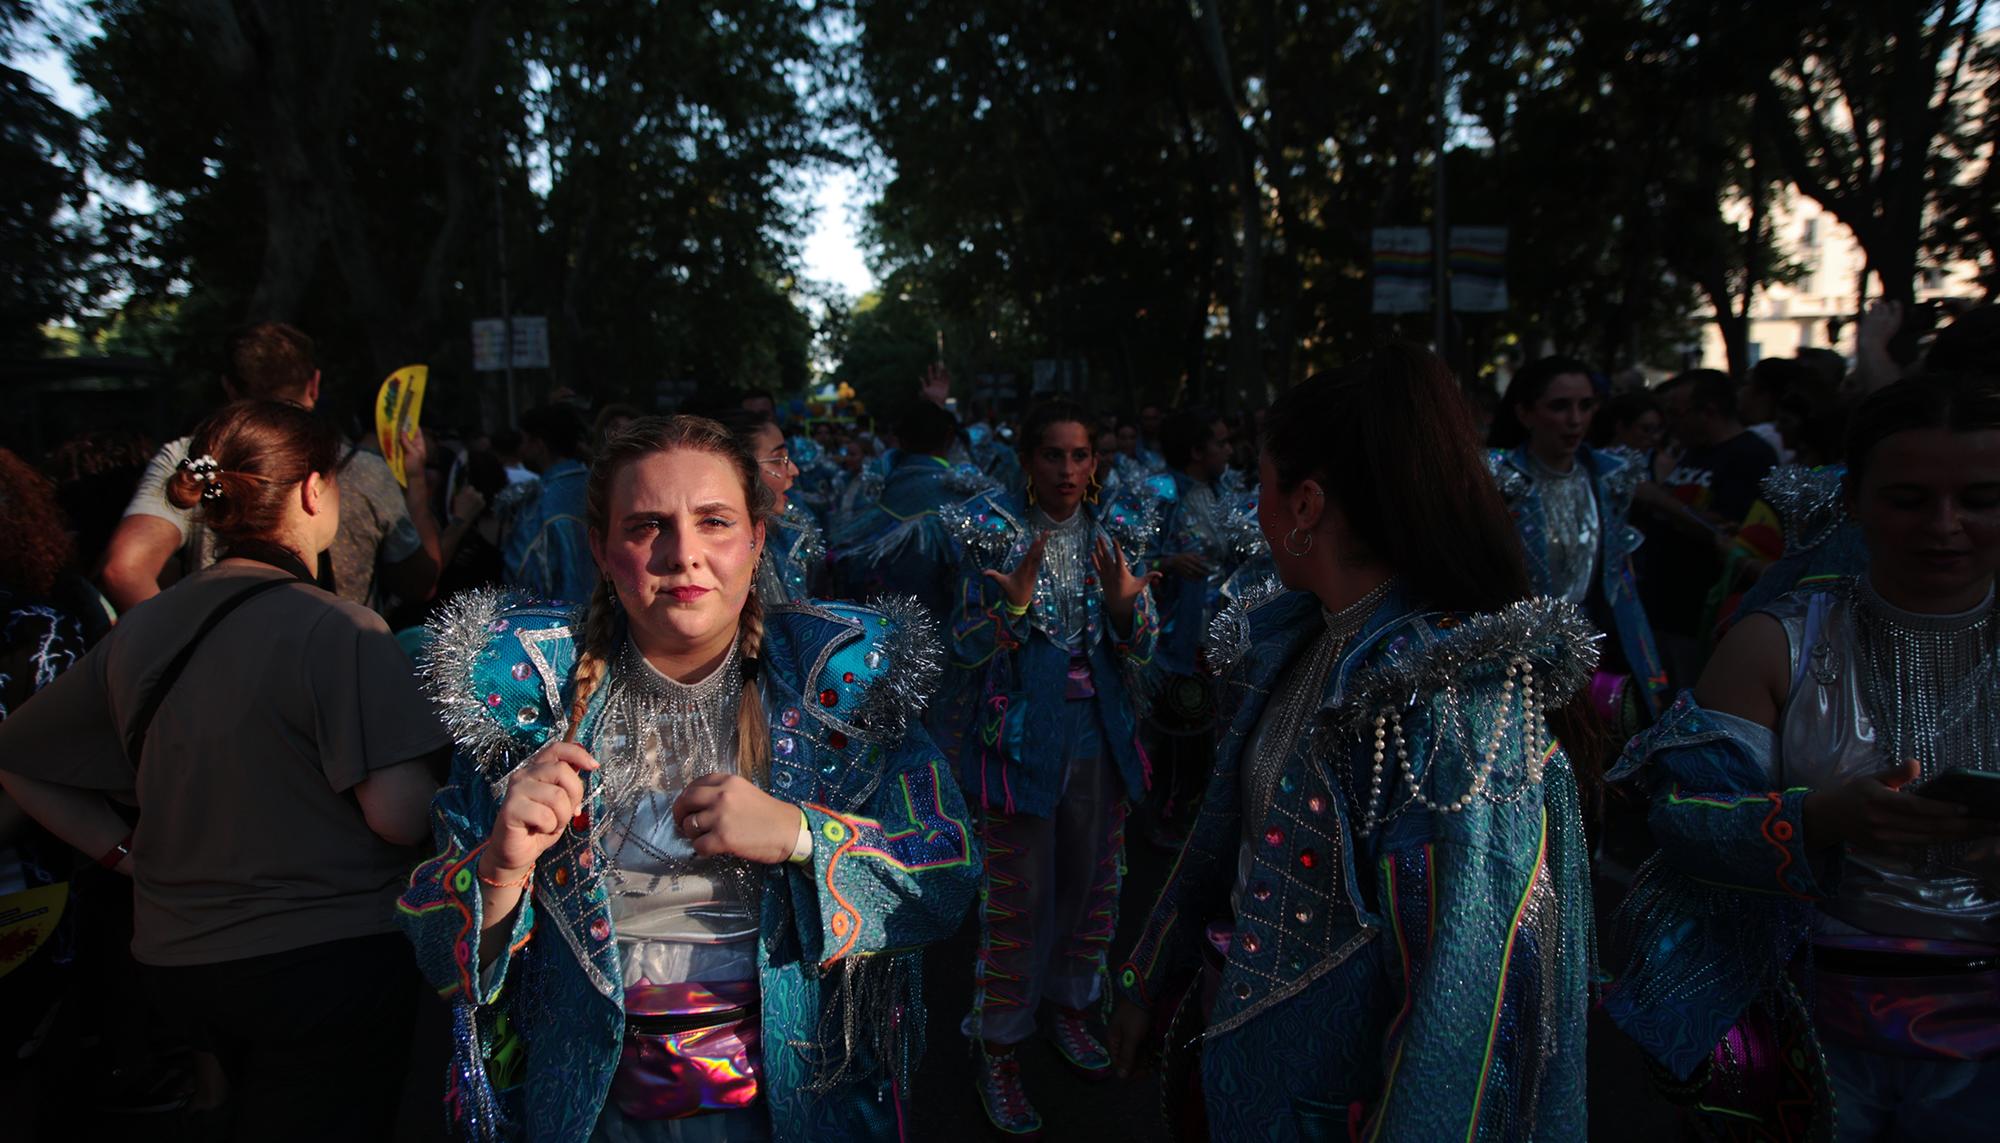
802, 849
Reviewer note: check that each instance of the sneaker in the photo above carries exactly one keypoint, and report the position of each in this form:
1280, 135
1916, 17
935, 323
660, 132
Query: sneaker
1079, 1046
1003, 1097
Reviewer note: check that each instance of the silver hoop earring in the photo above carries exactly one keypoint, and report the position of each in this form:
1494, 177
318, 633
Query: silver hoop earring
1300, 551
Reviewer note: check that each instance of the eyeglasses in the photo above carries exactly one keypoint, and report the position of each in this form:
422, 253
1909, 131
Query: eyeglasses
778, 462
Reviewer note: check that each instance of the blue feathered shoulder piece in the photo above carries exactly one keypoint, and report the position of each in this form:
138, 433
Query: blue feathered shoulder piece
1133, 517
863, 672
495, 664
967, 480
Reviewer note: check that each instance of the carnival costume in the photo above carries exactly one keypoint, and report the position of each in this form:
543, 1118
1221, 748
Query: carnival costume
1821, 544
1711, 948
899, 544
1579, 548
623, 923
794, 559
1048, 742
1387, 883
546, 547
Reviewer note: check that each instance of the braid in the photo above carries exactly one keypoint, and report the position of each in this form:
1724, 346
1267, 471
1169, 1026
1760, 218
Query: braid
591, 657
753, 730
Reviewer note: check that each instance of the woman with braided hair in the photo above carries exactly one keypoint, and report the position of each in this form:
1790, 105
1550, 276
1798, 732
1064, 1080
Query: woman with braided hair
688, 859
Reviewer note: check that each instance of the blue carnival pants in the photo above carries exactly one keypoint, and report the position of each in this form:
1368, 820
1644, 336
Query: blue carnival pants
1049, 905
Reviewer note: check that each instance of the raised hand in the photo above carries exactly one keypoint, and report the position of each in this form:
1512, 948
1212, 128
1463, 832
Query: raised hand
936, 385
728, 814
1121, 587
1019, 585
542, 798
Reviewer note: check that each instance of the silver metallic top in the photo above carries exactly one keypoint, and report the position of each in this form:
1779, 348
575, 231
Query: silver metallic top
1061, 607
1569, 514
653, 737
1873, 684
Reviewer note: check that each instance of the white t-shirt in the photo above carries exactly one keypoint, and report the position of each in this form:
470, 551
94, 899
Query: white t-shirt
375, 525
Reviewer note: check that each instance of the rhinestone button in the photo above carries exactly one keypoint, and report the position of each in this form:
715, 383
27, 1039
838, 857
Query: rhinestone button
1251, 944
1303, 914
873, 659
837, 740
1286, 785
1274, 836
494, 700
829, 697
527, 715
522, 672
1316, 804
1242, 990
790, 717
783, 745
1308, 858
1261, 891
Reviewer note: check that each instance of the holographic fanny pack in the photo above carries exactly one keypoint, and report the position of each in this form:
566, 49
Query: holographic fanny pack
689, 1048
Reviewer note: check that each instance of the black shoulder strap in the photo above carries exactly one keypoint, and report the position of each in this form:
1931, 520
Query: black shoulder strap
135, 737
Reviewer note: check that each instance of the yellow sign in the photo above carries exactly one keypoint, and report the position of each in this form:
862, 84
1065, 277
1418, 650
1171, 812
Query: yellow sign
26, 920
397, 405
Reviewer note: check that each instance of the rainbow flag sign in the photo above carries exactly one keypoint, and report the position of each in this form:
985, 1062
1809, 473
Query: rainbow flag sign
1477, 259
1402, 266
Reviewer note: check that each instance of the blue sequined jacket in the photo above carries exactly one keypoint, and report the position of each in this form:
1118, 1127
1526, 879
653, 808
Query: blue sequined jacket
794, 560
1429, 978
1713, 918
546, 548
899, 545
1614, 475
1010, 677
893, 867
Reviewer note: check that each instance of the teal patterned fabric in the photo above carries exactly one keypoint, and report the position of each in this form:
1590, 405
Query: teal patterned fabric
1428, 980
1712, 919
893, 868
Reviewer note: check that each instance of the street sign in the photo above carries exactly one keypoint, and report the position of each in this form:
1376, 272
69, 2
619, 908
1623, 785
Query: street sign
489, 344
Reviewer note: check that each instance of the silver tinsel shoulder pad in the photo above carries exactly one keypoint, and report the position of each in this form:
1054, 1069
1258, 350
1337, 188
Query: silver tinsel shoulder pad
865, 672
494, 664
1240, 529
509, 500
1512, 481
967, 480
868, 484
1228, 638
808, 545
986, 527
1133, 518
1423, 654
1622, 470
1808, 502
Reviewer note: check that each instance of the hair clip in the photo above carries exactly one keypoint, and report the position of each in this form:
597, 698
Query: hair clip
208, 470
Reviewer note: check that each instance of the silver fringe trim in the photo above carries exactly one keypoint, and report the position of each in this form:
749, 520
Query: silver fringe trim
1228, 637
809, 550
1134, 520
912, 663
459, 636
1808, 503
876, 1009
1553, 636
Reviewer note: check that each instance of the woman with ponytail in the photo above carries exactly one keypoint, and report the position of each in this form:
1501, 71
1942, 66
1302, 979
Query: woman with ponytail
694, 843
1380, 926
280, 756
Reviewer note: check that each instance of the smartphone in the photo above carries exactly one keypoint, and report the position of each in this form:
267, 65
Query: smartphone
1974, 789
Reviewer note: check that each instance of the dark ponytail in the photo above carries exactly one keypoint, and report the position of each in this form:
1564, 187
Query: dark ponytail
1391, 440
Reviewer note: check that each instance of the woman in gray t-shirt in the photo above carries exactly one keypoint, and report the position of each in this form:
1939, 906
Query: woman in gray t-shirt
280, 776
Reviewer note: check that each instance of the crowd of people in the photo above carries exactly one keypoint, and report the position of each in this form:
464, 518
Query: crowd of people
662, 747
